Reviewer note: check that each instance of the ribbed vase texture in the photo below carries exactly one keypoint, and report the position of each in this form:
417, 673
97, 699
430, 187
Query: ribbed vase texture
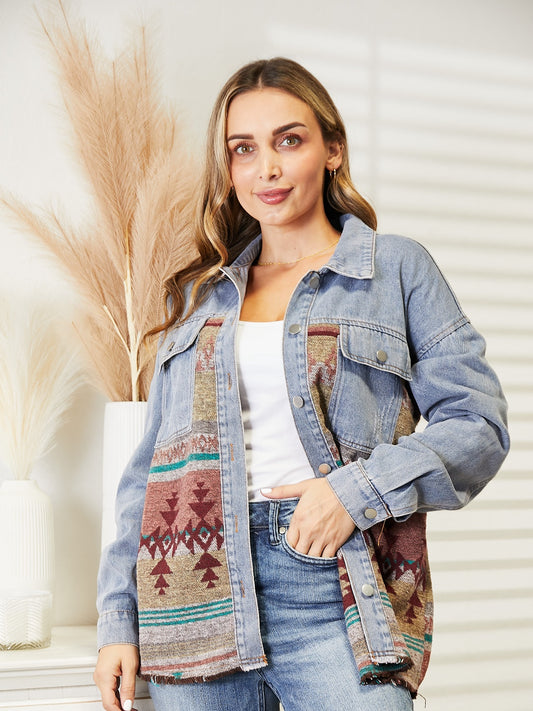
26, 565
123, 430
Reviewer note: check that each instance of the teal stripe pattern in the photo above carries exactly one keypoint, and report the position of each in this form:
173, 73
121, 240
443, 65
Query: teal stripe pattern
351, 615
414, 643
385, 599
372, 671
185, 615
194, 457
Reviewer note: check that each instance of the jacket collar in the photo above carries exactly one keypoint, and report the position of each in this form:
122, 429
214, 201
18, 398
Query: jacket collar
353, 256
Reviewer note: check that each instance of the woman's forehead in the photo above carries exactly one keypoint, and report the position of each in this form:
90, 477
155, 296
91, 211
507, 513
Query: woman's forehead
267, 108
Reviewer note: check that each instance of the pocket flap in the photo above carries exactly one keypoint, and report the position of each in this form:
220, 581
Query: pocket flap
181, 338
372, 345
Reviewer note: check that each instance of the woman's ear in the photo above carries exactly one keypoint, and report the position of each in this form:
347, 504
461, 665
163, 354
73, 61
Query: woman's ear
335, 152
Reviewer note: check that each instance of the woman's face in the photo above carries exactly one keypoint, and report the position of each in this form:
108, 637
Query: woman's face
278, 157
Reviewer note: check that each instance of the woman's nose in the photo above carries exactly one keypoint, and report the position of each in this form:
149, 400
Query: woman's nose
270, 167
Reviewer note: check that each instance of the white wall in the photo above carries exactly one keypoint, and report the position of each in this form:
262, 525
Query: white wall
438, 101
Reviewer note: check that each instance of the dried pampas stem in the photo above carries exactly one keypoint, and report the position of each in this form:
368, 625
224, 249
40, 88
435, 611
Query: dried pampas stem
39, 374
142, 187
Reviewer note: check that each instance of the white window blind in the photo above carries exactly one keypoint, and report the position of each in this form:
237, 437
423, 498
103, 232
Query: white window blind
441, 141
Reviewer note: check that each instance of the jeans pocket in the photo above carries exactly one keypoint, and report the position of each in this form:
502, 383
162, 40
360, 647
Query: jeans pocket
303, 557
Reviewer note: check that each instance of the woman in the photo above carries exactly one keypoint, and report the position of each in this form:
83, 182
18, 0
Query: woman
271, 525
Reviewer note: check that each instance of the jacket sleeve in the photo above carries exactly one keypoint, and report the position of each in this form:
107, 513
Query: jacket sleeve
465, 440
117, 592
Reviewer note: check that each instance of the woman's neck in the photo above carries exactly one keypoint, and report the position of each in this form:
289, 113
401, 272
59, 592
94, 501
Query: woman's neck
289, 245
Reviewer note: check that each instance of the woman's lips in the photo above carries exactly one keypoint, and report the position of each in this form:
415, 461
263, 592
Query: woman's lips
273, 197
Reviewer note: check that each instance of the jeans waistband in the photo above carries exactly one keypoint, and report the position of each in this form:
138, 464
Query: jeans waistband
272, 515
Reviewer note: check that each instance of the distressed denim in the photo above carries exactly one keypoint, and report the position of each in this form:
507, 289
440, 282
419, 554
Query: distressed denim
311, 664
399, 326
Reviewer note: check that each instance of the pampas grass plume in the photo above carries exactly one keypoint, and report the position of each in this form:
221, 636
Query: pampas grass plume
142, 187
39, 374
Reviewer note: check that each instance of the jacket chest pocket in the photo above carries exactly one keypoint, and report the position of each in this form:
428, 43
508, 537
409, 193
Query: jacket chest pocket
178, 365
372, 364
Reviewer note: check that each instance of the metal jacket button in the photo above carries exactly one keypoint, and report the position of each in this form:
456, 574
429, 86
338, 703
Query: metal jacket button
295, 328
314, 281
324, 468
371, 514
367, 590
298, 401
382, 356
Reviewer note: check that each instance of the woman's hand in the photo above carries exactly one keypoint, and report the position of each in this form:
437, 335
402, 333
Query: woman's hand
320, 523
117, 665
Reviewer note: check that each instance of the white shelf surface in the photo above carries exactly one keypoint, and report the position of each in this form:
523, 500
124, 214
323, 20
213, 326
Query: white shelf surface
57, 677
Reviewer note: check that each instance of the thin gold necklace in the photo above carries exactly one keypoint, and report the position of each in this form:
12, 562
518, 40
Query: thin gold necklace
307, 256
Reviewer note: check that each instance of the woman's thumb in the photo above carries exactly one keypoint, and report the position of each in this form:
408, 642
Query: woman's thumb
127, 686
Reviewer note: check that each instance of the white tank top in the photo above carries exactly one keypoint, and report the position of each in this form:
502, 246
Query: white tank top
274, 452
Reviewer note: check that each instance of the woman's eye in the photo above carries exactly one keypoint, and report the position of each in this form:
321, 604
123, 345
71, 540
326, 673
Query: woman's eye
291, 141
243, 149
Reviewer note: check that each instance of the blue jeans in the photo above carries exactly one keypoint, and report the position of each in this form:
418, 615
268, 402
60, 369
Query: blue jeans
311, 665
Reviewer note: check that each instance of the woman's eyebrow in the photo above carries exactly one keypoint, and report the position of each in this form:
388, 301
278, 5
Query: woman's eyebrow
288, 127
275, 132
240, 137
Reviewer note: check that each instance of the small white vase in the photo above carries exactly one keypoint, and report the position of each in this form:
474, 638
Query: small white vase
123, 430
27, 565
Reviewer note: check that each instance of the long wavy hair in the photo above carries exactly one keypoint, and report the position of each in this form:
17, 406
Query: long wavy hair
221, 228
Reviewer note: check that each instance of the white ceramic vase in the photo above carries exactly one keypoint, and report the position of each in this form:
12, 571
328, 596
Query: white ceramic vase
123, 430
27, 565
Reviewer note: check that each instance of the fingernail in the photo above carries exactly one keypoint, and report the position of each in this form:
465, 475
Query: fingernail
127, 705
266, 491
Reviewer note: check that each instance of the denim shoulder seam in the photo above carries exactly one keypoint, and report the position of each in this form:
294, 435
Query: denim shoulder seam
441, 335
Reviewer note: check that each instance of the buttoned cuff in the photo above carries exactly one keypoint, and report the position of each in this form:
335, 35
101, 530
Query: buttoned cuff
117, 627
356, 493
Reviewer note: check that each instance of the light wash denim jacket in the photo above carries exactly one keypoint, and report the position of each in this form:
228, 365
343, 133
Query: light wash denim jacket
399, 326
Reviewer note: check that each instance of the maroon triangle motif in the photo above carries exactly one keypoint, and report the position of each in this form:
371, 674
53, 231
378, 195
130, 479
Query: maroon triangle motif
161, 568
169, 516
172, 502
202, 508
161, 584
209, 576
200, 492
414, 600
207, 561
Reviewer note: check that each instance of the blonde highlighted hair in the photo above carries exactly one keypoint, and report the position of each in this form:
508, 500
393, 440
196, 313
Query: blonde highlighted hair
221, 228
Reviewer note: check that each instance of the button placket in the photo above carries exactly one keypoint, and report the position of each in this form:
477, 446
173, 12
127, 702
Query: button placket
360, 570
297, 400
296, 354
